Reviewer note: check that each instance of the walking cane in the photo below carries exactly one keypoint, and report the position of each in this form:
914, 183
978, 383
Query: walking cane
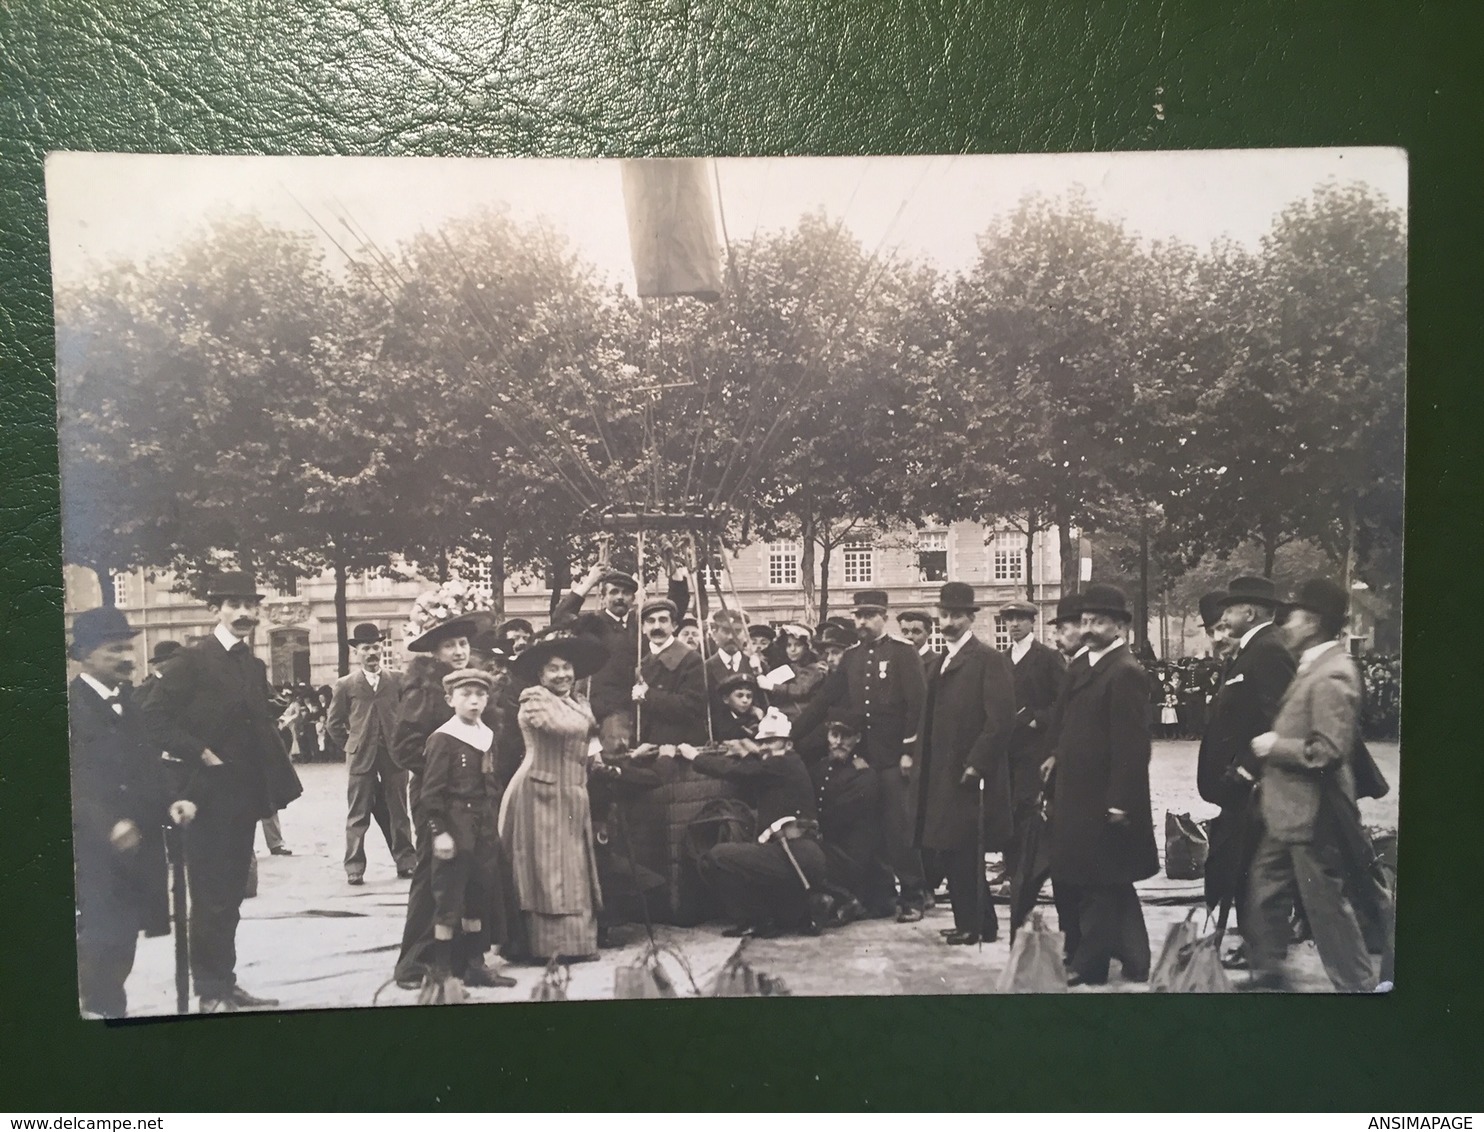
980, 882
175, 844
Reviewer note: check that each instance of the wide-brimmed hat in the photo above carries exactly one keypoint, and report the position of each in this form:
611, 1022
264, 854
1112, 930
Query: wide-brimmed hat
367, 633
94, 627
1100, 597
465, 625
620, 579
586, 654
164, 651
958, 597
1068, 608
233, 583
1211, 607
872, 600
1019, 609
1259, 591
795, 630
1321, 596
462, 676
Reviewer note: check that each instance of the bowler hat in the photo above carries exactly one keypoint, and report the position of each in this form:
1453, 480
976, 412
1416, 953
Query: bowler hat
655, 605
620, 579
491, 643
516, 623
957, 596
1321, 596
1018, 609
874, 600
94, 627
1259, 591
164, 651
465, 626
463, 676
366, 633
1211, 607
586, 654
233, 583
836, 636
1103, 598
1068, 608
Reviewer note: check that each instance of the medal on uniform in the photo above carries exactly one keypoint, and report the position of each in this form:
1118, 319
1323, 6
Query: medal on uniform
881, 670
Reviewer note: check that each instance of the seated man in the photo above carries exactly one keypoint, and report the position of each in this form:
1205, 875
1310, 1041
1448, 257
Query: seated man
845, 793
776, 882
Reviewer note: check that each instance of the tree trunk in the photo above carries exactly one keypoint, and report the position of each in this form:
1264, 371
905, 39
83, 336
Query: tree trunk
1141, 605
342, 635
806, 569
1030, 557
1269, 549
1071, 561
824, 582
1349, 544
497, 575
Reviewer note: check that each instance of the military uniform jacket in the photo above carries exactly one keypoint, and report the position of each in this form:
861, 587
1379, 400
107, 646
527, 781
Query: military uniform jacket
1038, 680
1243, 709
1317, 727
967, 722
460, 795
845, 797
610, 689
881, 685
363, 721
674, 708
117, 775
206, 698
779, 784
1100, 737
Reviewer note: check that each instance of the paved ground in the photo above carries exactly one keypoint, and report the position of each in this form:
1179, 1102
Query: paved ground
314, 942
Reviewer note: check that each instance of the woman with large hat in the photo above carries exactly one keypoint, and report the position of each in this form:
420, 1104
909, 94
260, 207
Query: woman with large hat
545, 820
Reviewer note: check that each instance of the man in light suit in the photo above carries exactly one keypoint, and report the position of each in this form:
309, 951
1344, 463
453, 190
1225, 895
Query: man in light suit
1308, 751
362, 720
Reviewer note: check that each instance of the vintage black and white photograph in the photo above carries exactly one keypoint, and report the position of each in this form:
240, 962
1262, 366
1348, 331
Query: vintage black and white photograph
508, 581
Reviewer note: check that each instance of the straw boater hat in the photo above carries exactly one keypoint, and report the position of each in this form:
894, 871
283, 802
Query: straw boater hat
96, 627
586, 654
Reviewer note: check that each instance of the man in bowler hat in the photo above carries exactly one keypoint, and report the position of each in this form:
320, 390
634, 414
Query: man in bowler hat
362, 721
211, 710
119, 806
961, 776
1308, 750
1039, 671
879, 682
1102, 830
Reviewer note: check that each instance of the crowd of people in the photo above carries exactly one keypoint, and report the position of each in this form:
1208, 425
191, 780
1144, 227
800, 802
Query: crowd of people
874, 769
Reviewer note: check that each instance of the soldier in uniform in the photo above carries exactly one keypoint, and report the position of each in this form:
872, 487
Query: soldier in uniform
845, 797
880, 682
119, 804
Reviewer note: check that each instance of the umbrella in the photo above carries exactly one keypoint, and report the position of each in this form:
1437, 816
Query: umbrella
1032, 861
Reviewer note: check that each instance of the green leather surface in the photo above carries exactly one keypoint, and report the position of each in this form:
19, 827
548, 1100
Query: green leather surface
701, 76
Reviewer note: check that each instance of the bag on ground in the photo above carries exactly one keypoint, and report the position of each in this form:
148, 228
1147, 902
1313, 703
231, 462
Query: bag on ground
1174, 953
1035, 965
739, 979
1186, 847
1200, 968
553, 984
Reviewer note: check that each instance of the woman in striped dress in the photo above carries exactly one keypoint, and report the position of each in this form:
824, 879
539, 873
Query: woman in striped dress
545, 824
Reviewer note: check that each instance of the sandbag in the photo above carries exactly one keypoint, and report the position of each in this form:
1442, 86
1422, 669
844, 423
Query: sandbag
1174, 953
646, 976
1186, 847
1200, 970
1035, 965
738, 979
553, 984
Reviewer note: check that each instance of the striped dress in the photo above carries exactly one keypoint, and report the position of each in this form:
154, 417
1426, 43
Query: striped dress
546, 827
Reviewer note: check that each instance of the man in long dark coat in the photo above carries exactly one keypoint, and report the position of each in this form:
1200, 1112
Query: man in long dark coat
879, 681
362, 721
1258, 672
1102, 830
1039, 671
211, 710
119, 806
670, 695
963, 750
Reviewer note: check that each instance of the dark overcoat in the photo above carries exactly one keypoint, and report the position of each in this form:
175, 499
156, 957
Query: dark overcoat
674, 709
117, 775
968, 717
610, 689
206, 698
880, 685
1100, 737
362, 720
1038, 680
1243, 709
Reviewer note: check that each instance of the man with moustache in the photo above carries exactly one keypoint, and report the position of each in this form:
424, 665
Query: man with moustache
609, 690
670, 695
961, 776
1259, 670
519, 632
1039, 672
1307, 752
119, 795
211, 710
1102, 830
1067, 625
362, 721
879, 682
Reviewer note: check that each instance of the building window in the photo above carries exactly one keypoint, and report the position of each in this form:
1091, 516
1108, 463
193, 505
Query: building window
783, 564
477, 576
936, 641
121, 590
712, 577
858, 564
1001, 633
375, 585
1009, 556
932, 556
290, 587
